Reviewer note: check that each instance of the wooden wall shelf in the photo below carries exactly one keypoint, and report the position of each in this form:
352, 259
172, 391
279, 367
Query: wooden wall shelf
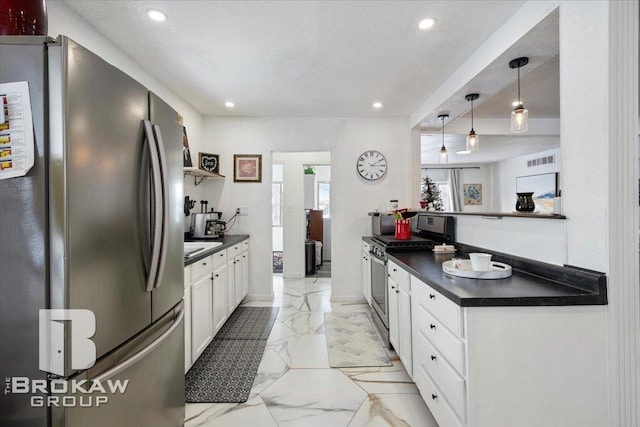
200, 175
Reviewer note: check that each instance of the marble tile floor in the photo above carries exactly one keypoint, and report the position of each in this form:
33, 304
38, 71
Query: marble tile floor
295, 387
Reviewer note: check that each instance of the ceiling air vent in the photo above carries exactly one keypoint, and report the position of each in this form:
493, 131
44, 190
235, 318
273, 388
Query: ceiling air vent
547, 160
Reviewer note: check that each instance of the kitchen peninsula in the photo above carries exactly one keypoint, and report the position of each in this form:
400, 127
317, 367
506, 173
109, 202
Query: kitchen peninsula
466, 342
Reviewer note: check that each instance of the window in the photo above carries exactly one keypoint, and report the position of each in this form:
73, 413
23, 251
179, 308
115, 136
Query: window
276, 204
445, 195
324, 193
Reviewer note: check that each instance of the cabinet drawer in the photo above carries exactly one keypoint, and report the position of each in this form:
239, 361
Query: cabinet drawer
443, 309
245, 245
442, 339
366, 247
219, 259
441, 411
200, 268
400, 276
234, 251
187, 276
451, 385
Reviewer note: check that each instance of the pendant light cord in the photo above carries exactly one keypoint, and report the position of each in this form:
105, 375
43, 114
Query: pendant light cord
519, 101
472, 114
443, 134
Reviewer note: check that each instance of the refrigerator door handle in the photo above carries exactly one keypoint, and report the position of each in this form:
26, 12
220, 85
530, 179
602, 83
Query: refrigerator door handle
143, 353
165, 204
157, 208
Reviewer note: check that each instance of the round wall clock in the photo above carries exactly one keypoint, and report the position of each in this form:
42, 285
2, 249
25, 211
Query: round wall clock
372, 165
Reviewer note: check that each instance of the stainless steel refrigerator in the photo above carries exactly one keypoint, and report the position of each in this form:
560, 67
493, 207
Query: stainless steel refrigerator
95, 224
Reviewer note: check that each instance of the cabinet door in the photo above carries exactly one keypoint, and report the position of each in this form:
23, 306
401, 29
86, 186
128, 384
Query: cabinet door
393, 315
366, 277
231, 293
187, 328
404, 317
245, 273
219, 298
201, 316
237, 273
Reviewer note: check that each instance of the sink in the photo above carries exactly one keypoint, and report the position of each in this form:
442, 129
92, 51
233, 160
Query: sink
194, 248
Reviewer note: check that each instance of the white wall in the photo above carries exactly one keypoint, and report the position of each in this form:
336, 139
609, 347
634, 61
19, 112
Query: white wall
504, 175
62, 20
351, 200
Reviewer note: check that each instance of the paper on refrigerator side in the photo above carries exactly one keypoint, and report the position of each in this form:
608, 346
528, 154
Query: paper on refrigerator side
16, 130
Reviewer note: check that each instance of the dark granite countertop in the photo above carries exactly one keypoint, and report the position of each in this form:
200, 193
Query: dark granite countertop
227, 241
521, 289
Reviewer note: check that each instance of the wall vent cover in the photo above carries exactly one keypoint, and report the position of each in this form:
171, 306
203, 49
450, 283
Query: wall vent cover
547, 160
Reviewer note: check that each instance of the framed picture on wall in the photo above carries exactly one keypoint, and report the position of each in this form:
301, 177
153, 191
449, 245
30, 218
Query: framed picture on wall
472, 194
247, 168
209, 162
186, 154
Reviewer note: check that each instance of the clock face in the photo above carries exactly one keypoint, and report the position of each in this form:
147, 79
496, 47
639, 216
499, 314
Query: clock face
372, 165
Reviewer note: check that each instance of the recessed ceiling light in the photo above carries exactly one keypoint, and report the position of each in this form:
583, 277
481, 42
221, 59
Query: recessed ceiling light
427, 23
463, 152
229, 104
156, 15
377, 105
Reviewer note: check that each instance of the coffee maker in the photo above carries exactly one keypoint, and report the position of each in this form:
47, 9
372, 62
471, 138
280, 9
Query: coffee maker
207, 225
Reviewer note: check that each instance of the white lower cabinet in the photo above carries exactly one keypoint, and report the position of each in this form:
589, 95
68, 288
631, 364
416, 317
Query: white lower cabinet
201, 315
213, 287
237, 277
507, 366
400, 313
366, 272
245, 274
231, 286
394, 319
219, 297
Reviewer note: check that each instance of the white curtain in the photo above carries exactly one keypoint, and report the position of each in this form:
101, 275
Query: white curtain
455, 183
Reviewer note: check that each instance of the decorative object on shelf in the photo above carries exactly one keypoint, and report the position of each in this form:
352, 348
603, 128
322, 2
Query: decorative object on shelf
371, 165
309, 170
186, 154
443, 156
23, 18
519, 115
430, 195
473, 140
247, 168
472, 194
209, 162
544, 186
525, 202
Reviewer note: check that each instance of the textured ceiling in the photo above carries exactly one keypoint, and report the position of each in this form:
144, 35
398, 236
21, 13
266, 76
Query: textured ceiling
304, 58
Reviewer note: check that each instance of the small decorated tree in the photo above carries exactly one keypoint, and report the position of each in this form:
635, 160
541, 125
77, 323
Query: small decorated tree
431, 194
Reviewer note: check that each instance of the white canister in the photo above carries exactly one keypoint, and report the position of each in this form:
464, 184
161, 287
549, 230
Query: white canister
480, 261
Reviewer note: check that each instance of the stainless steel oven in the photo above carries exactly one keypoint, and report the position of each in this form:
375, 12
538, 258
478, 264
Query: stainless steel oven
379, 290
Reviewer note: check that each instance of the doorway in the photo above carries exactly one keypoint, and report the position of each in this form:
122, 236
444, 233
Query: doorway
301, 214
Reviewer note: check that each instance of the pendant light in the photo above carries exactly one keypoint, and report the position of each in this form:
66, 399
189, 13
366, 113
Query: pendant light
520, 115
473, 140
443, 156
